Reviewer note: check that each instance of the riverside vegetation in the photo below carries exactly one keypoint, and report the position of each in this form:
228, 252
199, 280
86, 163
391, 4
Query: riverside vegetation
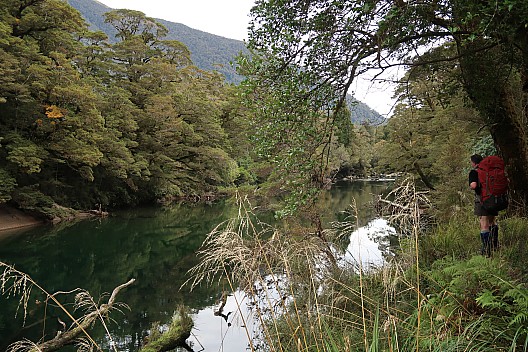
88, 123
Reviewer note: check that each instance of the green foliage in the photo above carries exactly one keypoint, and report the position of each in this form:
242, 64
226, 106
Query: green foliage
123, 116
458, 284
484, 146
515, 244
469, 50
288, 132
480, 288
433, 132
7, 185
511, 304
455, 238
31, 199
27, 156
108, 123
304, 133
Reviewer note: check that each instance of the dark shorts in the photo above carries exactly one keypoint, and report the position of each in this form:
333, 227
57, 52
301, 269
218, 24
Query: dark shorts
481, 211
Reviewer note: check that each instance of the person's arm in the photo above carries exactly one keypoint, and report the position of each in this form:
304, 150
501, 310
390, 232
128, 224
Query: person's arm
473, 180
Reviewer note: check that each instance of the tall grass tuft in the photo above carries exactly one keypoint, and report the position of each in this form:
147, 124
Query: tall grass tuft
281, 274
304, 300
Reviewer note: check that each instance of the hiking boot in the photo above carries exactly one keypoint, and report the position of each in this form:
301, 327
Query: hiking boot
494, 237
485, 237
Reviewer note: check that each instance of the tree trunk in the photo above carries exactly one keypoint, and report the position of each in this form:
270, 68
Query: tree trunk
495, 85
423, 177
509, 134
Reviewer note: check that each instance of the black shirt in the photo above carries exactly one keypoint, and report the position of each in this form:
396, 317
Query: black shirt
473, 177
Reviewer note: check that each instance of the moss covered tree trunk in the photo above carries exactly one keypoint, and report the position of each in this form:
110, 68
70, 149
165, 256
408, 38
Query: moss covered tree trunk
179, 331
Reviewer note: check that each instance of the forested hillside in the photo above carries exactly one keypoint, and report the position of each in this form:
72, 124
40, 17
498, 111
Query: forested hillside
91, 122
208, 51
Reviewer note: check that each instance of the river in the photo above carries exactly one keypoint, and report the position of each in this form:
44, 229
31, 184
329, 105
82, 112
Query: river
155, 246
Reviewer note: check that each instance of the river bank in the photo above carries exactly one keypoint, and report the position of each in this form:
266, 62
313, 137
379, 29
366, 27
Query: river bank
11, 218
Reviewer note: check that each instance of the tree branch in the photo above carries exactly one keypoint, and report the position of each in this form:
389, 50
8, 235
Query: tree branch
69, 336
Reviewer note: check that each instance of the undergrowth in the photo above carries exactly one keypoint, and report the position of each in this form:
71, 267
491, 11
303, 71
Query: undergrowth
437, 294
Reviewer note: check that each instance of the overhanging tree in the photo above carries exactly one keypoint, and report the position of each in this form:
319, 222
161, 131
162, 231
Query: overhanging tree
337, 40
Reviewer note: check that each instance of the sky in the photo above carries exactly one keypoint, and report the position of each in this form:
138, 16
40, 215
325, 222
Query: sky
229, 18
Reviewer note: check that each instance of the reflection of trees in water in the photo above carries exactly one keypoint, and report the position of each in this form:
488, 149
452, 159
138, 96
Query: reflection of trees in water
155, 246
342, 194
384, 235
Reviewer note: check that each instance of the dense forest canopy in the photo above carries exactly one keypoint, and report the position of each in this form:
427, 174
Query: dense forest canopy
87, 122
335, 41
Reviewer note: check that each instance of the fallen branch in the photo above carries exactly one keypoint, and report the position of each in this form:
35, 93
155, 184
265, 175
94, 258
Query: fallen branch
81, 326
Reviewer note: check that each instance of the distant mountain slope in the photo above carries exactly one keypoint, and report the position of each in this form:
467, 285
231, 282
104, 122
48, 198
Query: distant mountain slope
361, 113
208, 51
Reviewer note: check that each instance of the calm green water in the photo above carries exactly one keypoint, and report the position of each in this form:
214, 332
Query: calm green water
153, 245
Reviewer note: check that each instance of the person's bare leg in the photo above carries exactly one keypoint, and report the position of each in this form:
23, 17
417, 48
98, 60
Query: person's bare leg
485, 222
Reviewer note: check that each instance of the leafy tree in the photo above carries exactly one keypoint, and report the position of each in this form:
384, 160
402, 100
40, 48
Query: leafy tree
293, 122
134, 24
180, 135
334, 41
433, 132
88, 123
7, 185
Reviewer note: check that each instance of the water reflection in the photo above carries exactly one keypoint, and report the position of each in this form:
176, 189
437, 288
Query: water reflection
156, 247
369, 245
210, 330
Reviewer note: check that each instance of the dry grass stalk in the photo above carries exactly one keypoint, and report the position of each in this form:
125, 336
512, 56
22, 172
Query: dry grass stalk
14, 282
409, 210
273, 268
295, 288
407, 207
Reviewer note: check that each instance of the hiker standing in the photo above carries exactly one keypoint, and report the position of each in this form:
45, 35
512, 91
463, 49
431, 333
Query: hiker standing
489, 230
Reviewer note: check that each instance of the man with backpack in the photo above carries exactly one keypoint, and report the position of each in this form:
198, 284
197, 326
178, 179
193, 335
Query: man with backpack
488, 180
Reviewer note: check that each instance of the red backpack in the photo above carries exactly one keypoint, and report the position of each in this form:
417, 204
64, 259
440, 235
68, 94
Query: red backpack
493, 183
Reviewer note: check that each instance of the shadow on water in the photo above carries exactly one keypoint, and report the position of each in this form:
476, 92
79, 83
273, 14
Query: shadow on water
156, 247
